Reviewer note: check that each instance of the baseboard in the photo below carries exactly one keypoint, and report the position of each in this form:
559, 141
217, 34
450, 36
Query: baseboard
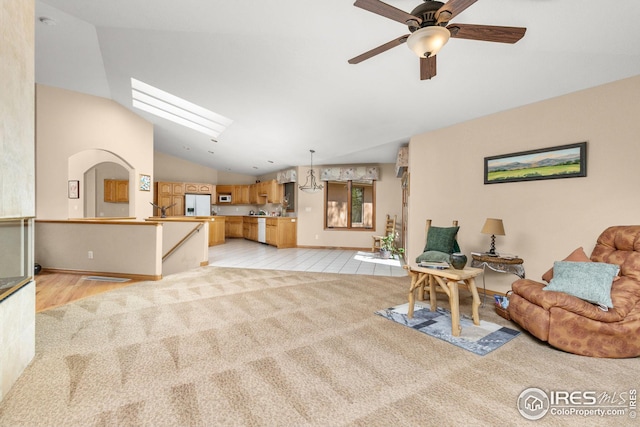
136, 277
368, 249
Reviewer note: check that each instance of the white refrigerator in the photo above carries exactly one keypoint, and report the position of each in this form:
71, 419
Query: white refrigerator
197, 204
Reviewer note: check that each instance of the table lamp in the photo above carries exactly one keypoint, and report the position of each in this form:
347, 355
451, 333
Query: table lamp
493, 226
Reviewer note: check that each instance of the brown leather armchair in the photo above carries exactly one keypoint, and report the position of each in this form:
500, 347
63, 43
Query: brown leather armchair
581, 327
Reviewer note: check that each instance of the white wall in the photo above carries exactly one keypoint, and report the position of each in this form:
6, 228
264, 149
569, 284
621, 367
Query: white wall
544, 220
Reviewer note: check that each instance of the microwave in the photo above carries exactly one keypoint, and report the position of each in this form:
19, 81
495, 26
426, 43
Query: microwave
224, 198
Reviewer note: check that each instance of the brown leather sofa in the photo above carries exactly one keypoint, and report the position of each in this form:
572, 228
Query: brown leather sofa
580, 327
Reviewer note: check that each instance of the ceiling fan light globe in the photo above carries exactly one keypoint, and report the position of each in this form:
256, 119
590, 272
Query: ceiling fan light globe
428, 41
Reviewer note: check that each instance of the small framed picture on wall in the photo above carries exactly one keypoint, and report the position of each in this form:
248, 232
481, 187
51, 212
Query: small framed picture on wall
74, 189
145, 182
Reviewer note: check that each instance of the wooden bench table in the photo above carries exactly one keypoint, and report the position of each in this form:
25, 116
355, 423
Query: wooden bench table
449, 280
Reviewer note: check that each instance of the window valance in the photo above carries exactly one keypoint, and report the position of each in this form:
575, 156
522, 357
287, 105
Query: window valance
349, 173
289, 175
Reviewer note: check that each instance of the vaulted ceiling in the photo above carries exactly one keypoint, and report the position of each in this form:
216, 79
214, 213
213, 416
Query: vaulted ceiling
279, 69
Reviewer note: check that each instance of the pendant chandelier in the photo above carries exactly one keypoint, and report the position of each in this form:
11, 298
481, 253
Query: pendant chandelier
310, 185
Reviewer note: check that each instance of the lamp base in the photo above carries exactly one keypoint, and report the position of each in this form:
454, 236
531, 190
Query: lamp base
492, 249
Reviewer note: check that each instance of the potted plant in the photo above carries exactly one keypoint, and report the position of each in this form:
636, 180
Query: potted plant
388, 246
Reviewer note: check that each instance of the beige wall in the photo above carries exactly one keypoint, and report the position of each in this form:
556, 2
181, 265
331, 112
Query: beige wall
225, 177
89, 130
311, 213
134, 248
173, 169
170, 168
544, 220
17, 182
17, 195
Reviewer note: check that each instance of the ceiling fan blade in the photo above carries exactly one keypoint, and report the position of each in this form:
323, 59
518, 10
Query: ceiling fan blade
377, 50
451, 9
489, 33
427, 67
388, 11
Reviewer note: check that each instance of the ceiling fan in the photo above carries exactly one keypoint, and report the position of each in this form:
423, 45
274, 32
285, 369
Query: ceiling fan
430, 30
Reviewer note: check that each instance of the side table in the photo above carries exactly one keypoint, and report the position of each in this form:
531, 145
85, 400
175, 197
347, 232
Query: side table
497, 264
448, 280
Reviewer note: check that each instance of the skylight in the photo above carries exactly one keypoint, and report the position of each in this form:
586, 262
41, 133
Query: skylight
178, 110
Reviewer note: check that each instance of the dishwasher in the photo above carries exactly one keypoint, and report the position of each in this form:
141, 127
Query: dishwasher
262, 230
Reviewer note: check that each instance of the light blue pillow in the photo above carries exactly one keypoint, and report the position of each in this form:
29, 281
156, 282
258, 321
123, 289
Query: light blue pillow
590, 281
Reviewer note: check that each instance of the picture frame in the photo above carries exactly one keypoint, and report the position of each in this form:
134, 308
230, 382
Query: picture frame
145, 182
562, 161
73, 189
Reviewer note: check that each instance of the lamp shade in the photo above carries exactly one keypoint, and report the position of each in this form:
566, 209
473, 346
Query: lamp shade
427, 41
493, 226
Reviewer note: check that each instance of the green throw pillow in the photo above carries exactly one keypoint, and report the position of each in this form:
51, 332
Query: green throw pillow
590, 281
441, 239
434, 256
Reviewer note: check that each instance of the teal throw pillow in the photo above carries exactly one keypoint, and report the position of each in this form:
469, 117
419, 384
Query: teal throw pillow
433, 256
590, 281
441, 239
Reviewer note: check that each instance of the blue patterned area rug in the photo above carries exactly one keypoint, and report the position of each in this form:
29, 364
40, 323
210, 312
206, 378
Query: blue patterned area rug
476, 339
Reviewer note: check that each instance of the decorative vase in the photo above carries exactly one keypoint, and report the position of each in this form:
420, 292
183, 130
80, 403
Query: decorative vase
385, 254
458, 260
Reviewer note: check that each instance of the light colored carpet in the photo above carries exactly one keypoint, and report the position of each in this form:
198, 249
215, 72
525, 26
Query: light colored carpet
231, 347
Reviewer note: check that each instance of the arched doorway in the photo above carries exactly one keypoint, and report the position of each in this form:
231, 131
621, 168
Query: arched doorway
87, 164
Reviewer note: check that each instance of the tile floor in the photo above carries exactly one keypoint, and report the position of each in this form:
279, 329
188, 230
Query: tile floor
247, 254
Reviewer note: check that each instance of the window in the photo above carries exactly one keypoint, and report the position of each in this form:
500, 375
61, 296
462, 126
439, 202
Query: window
290, 195
350, 205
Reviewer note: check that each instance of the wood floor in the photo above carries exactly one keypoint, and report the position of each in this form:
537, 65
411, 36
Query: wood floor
56, 289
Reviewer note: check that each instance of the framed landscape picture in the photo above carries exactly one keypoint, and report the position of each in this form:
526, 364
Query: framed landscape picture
563, 161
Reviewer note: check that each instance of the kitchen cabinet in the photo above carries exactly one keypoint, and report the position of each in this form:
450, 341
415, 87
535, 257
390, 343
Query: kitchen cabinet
250, 228
272, 231
172, 193
240, 195
177, 188
233, 226
196, 188
223, 190
167, 194
116, 191
253, 194
216, 230
281, 232
286, 233
269, 192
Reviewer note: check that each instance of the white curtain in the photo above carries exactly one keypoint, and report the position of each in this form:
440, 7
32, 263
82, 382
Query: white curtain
289, 175
349, 173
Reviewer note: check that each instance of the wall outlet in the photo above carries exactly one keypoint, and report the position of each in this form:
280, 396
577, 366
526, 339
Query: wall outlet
317, 237
90, 254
